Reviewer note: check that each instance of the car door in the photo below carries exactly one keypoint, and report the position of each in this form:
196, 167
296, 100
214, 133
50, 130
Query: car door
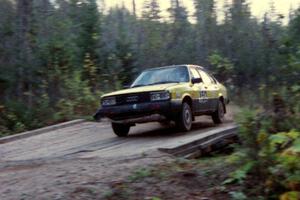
201, 104
212, 90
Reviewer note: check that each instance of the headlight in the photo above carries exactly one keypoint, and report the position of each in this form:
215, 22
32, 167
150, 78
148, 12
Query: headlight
158, 96
109, 101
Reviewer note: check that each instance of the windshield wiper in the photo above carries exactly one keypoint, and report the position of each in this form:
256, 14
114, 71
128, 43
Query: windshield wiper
164, 82
137, 86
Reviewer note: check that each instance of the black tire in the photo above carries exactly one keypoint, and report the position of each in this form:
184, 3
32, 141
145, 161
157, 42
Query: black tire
185, 118
121, 130
219, 115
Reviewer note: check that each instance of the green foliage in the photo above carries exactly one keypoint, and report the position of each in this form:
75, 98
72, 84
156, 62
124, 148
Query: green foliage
90, 71
293, 195
270, 150
140, 174
238, 196
294, 30
222, 68
78, 99
155, 198
240, 174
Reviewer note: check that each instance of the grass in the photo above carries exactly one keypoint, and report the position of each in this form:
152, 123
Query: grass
177, 180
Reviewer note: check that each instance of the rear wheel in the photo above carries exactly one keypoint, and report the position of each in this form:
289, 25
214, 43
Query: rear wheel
219, 115
185, 118
121, 130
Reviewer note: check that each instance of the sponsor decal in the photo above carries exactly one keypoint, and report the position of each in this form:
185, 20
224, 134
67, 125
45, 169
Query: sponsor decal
203, 97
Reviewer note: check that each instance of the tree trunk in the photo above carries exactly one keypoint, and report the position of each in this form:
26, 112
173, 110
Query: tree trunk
24, 10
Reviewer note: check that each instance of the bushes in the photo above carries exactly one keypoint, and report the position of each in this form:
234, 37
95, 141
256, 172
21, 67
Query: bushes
269, 154
14, 117
76, 100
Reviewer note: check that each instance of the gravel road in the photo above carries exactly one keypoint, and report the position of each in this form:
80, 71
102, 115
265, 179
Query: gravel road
58, 164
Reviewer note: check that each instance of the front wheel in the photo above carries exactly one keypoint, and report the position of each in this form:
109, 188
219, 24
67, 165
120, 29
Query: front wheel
219, 115
185, 119
121, 130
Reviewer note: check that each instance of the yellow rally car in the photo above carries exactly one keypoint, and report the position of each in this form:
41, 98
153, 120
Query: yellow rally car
173, 93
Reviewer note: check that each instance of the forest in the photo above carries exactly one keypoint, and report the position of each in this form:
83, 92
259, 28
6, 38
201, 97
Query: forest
58, 56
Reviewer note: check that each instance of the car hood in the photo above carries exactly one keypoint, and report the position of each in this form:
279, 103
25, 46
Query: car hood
149, 88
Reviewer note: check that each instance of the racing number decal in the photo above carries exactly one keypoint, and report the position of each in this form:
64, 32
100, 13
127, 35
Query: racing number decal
203, 97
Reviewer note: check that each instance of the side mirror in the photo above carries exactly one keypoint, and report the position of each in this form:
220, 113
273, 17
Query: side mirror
196, 80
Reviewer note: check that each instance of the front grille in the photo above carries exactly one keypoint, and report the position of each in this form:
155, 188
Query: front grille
133, 98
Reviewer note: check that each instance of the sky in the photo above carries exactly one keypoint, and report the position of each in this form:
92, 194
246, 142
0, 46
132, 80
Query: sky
258, 7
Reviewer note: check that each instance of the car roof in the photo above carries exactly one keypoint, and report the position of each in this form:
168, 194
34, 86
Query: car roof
183, 65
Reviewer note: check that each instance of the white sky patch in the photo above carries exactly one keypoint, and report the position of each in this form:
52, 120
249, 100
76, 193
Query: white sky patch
258, 7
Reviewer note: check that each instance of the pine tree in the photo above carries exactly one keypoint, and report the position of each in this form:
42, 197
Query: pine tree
151, 10
24, 53
151, 35
7, 48
243, 34
206, 28
118, 64
294, 28
179, 42
178, 12
86, 22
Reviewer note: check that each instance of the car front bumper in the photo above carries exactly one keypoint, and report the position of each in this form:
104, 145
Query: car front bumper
140, 112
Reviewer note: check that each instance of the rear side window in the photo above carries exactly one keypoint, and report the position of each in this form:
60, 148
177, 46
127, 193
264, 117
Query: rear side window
206, 78
213, 80
194, 73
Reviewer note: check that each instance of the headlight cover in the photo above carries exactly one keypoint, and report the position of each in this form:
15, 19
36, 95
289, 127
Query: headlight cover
109, 101
160, 96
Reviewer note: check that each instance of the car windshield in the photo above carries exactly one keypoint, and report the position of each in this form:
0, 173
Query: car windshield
162, 75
